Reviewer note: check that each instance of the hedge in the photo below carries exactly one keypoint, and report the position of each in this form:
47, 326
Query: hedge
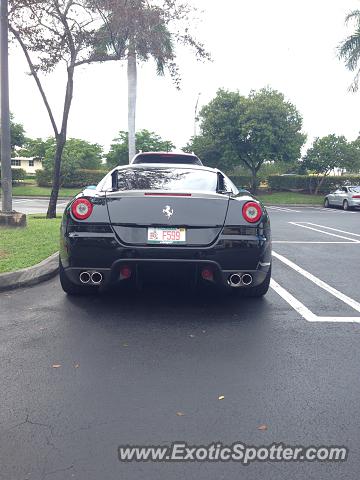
308, 183
241, 181
18, 175
79, 178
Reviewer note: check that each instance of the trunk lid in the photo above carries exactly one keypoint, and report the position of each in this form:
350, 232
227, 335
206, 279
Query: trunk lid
132, 213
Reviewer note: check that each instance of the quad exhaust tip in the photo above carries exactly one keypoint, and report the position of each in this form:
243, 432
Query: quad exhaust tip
94, 278
239, 280
85, 277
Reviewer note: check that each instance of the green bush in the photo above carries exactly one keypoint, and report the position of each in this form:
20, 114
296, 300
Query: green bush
78, 179
308, 183
18, 175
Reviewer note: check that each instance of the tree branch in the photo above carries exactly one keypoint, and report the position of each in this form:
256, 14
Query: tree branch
36, 77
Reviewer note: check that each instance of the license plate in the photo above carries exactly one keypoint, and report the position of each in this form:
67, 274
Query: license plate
166, 235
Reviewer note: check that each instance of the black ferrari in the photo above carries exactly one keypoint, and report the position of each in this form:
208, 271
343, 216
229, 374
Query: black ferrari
165, 216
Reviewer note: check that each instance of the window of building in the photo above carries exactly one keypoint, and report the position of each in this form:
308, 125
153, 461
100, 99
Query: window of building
15, 162
31, 163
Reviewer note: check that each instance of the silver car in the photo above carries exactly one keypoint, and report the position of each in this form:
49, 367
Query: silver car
346, 197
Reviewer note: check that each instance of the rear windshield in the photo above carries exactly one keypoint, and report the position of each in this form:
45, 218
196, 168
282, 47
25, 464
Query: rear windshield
354, 189
167, 158
169, 179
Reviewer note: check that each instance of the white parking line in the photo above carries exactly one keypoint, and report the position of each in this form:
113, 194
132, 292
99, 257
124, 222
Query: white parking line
341, 296
283, 209
325, 233
314, 243
307, 314
333, 229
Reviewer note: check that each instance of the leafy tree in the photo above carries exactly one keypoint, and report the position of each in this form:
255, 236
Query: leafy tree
137, 30
353, 165
17, 133
37, 147
349, 49
249, 131
145, 141
78, 154
327, 154
51, 32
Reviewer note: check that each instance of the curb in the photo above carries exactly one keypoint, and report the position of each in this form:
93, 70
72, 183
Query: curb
26, 277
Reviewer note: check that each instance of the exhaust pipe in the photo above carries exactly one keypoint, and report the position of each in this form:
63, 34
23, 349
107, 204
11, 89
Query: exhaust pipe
247, 279
85, 277
96, 278
235, 280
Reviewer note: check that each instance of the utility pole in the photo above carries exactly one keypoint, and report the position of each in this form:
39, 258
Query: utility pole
196, 112
6, 176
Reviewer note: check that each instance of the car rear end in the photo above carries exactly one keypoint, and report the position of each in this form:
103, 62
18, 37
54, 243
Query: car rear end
161, 227
354, 197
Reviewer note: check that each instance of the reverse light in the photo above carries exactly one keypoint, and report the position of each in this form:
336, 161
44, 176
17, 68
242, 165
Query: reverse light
252, 212
81, 209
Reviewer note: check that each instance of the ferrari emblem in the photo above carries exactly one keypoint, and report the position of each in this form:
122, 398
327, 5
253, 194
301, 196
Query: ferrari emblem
168, 211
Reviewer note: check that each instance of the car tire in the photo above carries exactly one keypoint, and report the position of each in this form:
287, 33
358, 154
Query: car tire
71, 288
326, 203
346, 205
259, 290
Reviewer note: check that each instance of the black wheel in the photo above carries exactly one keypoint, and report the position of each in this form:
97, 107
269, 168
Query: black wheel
259, 290
326, 203
71, 288
346, 205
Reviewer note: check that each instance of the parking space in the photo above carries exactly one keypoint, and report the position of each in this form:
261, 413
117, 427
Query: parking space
315, 257
148, 367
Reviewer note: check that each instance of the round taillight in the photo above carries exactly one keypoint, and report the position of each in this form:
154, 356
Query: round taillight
252, 212
81, 209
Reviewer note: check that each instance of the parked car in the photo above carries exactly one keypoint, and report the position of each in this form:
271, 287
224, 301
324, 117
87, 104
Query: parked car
148, 220
346, 197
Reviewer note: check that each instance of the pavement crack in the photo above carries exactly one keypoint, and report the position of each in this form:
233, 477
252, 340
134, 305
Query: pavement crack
60, 470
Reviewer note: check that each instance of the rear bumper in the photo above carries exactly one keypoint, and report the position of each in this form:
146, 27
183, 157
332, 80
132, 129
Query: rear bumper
104, 253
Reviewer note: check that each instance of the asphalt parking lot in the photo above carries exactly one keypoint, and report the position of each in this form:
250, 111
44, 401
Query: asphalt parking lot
36, 205
148, 368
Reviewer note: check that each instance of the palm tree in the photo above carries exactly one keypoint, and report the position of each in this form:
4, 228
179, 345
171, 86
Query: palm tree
349, 49
136, 30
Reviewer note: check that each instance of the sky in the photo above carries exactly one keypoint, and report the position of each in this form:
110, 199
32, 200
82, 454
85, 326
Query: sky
284, 44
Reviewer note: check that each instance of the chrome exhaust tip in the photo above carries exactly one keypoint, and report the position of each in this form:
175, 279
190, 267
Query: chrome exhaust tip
235, 280
85, 277
96, 278
247, 279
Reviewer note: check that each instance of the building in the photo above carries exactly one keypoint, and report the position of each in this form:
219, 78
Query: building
29, 164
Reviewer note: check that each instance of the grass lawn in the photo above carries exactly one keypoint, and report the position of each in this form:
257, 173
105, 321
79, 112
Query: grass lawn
24, 247
288, 198
35, 191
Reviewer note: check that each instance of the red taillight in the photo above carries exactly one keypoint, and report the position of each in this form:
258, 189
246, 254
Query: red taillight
81, 209
252, 212
356, 196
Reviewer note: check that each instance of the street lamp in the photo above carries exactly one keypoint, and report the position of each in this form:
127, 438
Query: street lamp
6, 176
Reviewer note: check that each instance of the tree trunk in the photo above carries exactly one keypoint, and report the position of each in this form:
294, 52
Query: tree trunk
60, 144
318, 186
132, 92
254, 181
